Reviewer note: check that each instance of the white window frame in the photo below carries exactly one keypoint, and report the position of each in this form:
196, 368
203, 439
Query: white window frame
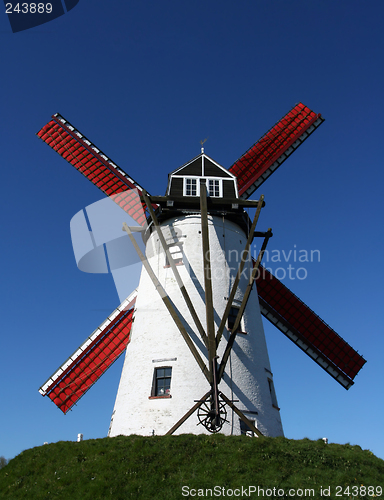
156, 378
176, 251
207, 179
220, 181
186, 179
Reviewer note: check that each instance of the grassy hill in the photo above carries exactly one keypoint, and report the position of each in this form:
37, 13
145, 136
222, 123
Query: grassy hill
187, 466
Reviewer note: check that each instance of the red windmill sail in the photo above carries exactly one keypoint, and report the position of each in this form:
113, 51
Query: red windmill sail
91, 360
97, 167
277, 303
307, 330
266, 155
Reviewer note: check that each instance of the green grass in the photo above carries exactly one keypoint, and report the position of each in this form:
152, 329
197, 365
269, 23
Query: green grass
158, 467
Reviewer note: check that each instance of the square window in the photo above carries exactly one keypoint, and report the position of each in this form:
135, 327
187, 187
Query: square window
162, 381
176, 253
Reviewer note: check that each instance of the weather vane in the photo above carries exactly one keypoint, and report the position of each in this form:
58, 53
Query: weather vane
202, 142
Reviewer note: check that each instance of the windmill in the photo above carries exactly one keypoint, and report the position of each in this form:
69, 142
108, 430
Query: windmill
197, 360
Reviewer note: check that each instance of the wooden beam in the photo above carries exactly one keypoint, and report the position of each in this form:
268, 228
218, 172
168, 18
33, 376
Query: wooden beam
168, 304
241, 415
244, 257
211, 201
176, 273
207, 276
247, 292
188, 414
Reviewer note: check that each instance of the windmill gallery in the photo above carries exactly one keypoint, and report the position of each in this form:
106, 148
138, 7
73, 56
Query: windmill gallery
196, 357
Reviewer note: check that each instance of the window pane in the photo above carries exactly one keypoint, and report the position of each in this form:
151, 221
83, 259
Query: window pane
162, 381
160, 390
244, 429
210, 188
214, 187
191, 187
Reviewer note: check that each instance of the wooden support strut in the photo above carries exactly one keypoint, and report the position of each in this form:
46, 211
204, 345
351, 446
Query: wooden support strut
189, 413
168, 304
215, 395
207, 278
244, 257
212, 201
241, 415
227, 401
176, 273
252, 278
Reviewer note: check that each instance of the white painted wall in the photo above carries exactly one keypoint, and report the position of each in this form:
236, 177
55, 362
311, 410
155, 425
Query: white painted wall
156, 341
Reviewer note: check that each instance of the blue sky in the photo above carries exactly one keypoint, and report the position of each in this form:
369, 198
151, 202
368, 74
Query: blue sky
146, 81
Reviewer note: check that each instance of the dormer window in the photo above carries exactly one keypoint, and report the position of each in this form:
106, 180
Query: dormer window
192, 187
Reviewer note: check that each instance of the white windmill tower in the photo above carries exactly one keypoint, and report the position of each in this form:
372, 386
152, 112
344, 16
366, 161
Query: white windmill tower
197, 344
170, 361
